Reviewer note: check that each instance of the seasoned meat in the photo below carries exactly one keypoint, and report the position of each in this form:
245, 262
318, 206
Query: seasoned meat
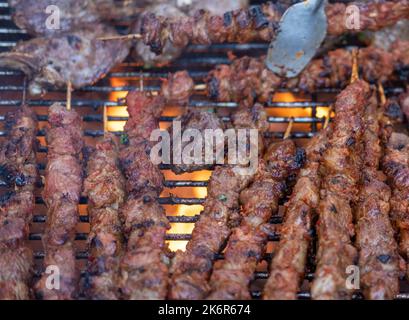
76, 56
19, 172
61, 193
396, 167
257, 23
231, 277
105, 187
288, 265
144, 265
341, 167
178, 87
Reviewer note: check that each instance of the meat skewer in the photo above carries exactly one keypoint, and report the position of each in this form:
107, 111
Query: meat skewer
144, 266
290, 257
257, 23
341, 167
19, 171
191, 269
76, 56
231, 277
63, 185
104, 187
378, 250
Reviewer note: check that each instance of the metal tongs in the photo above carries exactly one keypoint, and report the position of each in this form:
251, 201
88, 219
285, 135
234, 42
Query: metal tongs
302, 29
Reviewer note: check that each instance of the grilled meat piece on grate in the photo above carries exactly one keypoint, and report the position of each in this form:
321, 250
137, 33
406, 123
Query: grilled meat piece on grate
19, 171
177, 88
191, 269
341, 167
396, 166
378, 250
288, 265
61, 194
105, 188
76, 56
249, 77
232, 275
144, 266
257, 23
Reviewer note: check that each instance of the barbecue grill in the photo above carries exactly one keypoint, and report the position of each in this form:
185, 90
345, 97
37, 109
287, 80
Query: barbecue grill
184, 194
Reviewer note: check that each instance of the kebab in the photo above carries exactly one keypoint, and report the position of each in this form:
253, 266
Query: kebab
76, 56
288, 265
378, 250
61, 193
18, 171
231, 277
104, 187
191, 269
255, 24
341, 167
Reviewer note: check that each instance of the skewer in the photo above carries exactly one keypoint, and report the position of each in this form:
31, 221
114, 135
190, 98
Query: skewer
24, 97
382, 95
287, 133
328, 117
355, 70
134, 36
69, 90
105, 119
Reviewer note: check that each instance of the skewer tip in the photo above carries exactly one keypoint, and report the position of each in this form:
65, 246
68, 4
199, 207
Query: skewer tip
328, 118
355, 68
382, 95
105, 120
69, 91
287, 133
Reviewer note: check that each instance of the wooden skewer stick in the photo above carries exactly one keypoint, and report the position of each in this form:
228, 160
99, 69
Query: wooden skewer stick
105, 119
134, 36
355, 69
328, 117
69, 90
287, 133
199, 87
382, 95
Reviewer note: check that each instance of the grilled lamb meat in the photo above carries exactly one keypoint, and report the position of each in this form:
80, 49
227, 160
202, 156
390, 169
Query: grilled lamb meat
257, 23
177, 88
249, 76
104, 187
144, 266
191, 269
231, 277
396, 167
19, 171
61, 194
76, 56
378, 250
404, 102
341, 167
288, 265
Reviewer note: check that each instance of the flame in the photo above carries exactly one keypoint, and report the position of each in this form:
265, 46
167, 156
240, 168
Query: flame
117, 111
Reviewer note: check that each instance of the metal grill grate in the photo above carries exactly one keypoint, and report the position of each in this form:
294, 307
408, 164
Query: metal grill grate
90, 100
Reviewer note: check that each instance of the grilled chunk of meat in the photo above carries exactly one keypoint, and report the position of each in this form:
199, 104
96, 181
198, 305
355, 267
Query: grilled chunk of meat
76, 56
396, 166
288, 265
231, 277
105, 187
191, 269
144, 266
341, 166
250, 77
63, 185
19, 171
177, 88
257, 23
378, 250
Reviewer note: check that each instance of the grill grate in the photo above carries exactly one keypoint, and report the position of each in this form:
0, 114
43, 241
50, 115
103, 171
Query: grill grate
306, 111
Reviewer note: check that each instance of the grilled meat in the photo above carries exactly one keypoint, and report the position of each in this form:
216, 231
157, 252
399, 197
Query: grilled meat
404, 102
104, 187
249, 77
288, 265
257, 23
341, 167
231, 277
76, 56
61, 194
177, 88
378, 250
191, 269
144, 266
19, 171
396, 167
